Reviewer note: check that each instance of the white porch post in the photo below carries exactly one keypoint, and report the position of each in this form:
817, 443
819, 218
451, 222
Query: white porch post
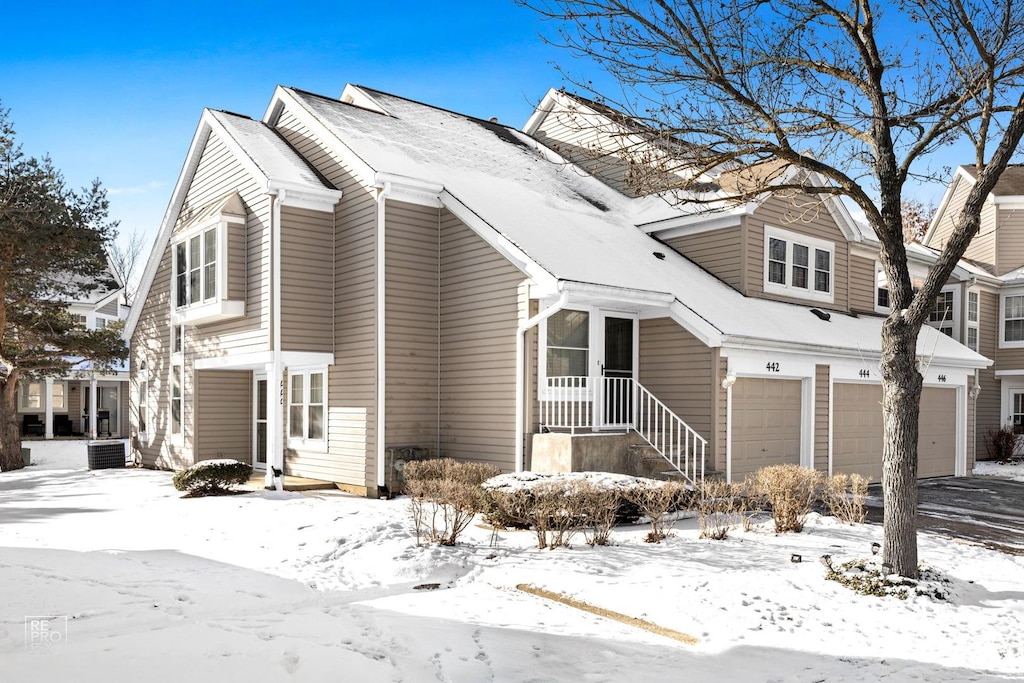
49, 408
727, 385
91, 433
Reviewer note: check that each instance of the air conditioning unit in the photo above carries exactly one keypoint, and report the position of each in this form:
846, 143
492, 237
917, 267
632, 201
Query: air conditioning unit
106, 454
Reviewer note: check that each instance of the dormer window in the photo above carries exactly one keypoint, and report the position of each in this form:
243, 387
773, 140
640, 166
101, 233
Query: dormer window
798, 266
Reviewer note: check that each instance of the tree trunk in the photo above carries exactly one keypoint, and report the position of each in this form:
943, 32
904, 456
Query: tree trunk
10, 432
901, 405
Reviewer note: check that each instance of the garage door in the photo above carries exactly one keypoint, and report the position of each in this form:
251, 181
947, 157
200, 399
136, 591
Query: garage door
765, 424
857, 421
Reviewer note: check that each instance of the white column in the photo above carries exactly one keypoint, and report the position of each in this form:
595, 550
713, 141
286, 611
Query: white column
49, 408
93, 412
275, 411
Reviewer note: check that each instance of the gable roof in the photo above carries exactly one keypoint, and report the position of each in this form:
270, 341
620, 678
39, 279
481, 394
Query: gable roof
1010, 183
571, 225
266, 156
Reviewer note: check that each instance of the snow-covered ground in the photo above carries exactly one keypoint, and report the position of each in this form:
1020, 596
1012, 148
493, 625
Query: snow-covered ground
1014, 471
321, 586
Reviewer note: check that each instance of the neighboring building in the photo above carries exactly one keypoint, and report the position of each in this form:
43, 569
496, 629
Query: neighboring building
987, 299
353, 280
82, 403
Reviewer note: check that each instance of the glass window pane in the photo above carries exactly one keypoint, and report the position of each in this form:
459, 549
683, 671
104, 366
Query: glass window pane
776, 249
972, 338
297, 386
316, 387
58, 396
822, 281
777, 272
295, 427
972, 307
569, 328
210, 247
799, 254
209, 281
883, 297
316, 422
1014, 330
799, 277
567, 362
1014, 307
822, 260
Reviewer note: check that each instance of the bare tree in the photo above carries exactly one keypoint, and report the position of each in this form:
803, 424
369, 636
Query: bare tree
860, 93
125, 258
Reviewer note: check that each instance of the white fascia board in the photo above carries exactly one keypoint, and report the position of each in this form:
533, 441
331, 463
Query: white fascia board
188, 170
633, 297
697, 223
1009, 202
260, 359
356, 96
695, 324
546, 106
304, 196
545, 280
285, 97
411, 190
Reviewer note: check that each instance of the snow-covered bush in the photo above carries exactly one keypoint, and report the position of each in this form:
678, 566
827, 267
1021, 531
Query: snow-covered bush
656, 499
844, 494
445, 494
868, 577
212, 477
790, 490
720, 507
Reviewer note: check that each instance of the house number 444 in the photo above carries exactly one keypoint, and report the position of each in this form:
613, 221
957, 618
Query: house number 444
772, 367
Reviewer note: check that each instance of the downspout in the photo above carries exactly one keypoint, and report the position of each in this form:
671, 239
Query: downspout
275, 421
382, 196
727, 385
523, 328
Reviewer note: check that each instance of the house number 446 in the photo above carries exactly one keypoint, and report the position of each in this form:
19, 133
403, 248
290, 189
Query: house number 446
772, 367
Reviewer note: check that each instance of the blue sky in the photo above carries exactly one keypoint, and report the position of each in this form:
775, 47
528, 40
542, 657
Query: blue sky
115, 91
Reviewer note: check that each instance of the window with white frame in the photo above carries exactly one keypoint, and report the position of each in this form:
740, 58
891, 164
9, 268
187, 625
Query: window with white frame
81, 321
567, 343
177, 399
307, 397
58, 397
1013, 319
798, 266
31, 396
195, 268
941, 315
972, 321
143, 407
177, 338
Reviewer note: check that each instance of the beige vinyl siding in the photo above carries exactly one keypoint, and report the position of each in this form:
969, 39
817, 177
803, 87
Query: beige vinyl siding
123, 408
224, 415
109, 308
982, 248
238, 262
480, 302
863, 286
719, 252
718, 462
988, 407
1009, 240
677, 368
578, 139
352, 380
822, 387
307, 277
411, 325
75, 406
805, 216
218, 174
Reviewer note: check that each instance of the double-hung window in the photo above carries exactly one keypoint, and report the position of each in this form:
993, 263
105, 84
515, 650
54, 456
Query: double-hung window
972, 321
307, 399
176, 398
941, 316
195, 269
798, 266
32, 396
1013, 320
57, 397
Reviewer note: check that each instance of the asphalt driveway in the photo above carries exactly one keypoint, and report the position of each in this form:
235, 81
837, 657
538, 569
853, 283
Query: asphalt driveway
984, 510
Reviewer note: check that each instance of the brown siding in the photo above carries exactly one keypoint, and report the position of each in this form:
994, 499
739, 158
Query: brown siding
982, 248
720, 455
863, 287
821, 412
237, 261
581, 141
988, 408
307, 276
677, 368
1009, 240
411, 325
223, 415
805, 216
124, 408
351, 425
75, 405
480, 301
719, 252
110, 308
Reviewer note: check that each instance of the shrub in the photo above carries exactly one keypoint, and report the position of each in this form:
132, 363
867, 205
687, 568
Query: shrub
656, 500
602, 511
212, 477
445, 494
1003, 444
845, 495
790, 490
719, 507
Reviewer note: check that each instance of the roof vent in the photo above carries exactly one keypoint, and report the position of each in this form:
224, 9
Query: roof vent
493, 119
821, 314
659, 255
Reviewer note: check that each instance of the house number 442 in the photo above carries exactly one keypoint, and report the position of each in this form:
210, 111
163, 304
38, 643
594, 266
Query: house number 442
772, 367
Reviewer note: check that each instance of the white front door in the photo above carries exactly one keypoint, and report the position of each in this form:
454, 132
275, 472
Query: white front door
259, 436
617, 341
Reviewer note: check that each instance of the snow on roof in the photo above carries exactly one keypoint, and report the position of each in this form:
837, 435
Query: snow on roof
572, 225
274, 157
